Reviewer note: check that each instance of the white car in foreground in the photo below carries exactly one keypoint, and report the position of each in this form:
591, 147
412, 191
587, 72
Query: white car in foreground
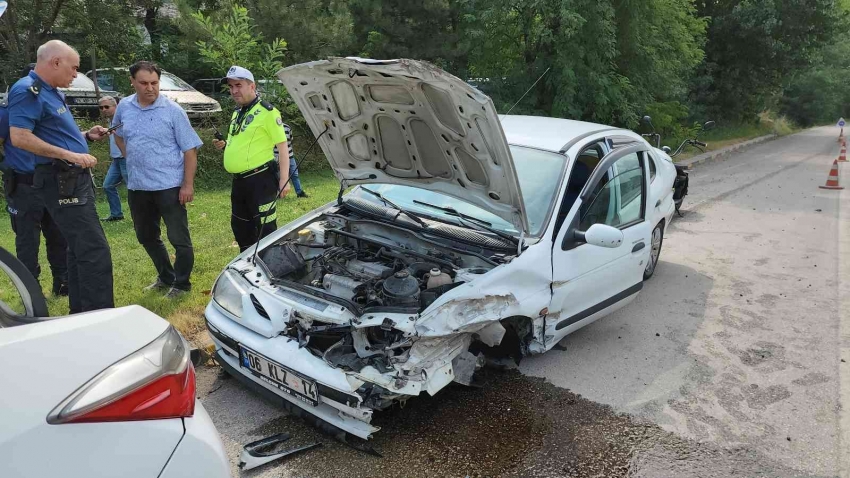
468, 235
101, 394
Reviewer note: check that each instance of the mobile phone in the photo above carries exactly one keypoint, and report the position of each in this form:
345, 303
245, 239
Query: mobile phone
115, 127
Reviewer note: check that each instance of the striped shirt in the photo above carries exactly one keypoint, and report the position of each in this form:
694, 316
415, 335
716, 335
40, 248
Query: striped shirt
288, 131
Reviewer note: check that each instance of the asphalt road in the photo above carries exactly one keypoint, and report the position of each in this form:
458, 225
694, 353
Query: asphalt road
727, 364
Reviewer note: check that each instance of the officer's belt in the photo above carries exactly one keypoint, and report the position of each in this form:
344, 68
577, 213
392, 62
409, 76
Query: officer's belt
25, 179
251, 172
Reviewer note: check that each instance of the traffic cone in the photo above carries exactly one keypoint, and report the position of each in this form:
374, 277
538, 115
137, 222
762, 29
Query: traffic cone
832, 180
842, 158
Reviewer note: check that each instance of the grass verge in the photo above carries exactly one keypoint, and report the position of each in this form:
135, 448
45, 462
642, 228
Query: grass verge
723, 136
209, 223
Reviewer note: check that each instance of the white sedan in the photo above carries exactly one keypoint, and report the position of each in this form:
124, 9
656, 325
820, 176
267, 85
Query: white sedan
468, 235
100, 394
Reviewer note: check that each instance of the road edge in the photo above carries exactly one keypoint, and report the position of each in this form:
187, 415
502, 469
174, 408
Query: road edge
735, 148
844, 335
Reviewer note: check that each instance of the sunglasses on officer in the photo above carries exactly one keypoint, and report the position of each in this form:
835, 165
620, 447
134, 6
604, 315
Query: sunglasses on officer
105, 107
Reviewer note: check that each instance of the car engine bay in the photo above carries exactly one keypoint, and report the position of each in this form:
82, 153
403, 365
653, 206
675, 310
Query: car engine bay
371, 268
367, 264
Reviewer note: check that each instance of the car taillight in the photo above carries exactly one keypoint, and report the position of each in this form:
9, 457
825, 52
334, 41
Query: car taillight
157, 381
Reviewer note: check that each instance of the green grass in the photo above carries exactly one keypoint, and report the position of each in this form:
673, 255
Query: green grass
209, 222
722, 136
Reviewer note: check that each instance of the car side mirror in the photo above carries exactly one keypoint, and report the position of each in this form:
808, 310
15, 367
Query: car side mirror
601, 235
708, 125
666, 149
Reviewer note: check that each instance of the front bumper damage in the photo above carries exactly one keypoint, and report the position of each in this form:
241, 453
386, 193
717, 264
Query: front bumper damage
347, 398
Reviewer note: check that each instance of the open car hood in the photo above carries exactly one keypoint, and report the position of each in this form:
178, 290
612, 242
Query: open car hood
408, 122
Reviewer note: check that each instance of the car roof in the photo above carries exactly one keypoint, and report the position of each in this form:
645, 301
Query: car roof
548, 133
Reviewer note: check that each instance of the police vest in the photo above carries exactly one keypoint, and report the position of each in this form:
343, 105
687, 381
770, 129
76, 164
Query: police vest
251, 141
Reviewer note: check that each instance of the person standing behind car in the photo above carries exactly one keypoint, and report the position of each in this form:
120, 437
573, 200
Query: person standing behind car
30, 218
161, 150
255, 130
41, 123
293, 164
117, 170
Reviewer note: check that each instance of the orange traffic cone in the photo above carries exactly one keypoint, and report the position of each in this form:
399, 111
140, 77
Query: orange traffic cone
832, 180
842, 158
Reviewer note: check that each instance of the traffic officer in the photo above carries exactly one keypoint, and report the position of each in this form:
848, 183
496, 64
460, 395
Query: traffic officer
41, 123
256, 128
29, 217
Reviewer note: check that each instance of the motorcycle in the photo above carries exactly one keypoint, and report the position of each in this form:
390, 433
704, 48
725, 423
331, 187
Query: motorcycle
680, 185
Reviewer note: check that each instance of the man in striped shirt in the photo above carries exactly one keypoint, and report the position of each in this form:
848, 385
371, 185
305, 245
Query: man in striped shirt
293, 165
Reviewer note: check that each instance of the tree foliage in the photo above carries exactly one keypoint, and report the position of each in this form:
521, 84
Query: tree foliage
608, 61
233, 39
753, 45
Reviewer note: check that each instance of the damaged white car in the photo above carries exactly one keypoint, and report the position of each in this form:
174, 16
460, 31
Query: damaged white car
468, 235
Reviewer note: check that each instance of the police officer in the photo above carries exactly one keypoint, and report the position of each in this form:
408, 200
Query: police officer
41, 123
256, 128
29, 216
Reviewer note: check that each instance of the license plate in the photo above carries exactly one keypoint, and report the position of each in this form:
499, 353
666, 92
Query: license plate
275, 374
85, 101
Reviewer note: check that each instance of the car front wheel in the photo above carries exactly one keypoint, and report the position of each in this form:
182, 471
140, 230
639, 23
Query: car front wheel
21, 299
655, 251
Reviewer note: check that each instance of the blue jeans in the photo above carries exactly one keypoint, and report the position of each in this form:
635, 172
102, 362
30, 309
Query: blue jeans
114, 176
293, 173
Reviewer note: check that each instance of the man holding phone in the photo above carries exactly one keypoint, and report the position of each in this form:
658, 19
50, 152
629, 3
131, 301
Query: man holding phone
41, 123
161, 150
117, 172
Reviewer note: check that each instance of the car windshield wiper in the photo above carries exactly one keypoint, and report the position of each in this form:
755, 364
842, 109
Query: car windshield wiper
416, 219
479, 223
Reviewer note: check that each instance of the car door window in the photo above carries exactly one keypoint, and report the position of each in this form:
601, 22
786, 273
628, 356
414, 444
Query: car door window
652, 168
618, 199
583, 166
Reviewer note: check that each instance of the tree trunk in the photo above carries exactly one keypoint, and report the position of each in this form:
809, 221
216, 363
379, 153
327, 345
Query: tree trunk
150, 25
94, 74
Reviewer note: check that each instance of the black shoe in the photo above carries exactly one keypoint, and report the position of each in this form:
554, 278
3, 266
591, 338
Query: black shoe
175, 293
113, 218
158, 286
61, 289
302, 194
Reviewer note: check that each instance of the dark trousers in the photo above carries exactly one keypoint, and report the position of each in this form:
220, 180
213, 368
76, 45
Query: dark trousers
89, 258
148, 208
30, 220
253, 202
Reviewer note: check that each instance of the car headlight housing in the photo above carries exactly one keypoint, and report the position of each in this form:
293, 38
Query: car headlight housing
228, 292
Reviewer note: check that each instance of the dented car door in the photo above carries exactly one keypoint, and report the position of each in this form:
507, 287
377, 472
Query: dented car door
590, 281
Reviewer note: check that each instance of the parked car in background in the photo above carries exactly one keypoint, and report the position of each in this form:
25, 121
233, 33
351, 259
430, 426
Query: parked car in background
215, 88
468, 234
82, 97
105, 393
196, 104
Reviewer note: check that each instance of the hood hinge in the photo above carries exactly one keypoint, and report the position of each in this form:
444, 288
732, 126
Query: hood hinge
520, 242
339, 195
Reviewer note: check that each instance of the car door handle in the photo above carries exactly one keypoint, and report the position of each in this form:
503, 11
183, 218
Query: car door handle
657, 204
638, 246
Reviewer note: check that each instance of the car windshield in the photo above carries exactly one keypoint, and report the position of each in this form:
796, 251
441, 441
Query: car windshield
539, 175
82, 82
169, 82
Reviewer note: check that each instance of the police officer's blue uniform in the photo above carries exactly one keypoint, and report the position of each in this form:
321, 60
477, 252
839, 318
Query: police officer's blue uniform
28, 214
67, 192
